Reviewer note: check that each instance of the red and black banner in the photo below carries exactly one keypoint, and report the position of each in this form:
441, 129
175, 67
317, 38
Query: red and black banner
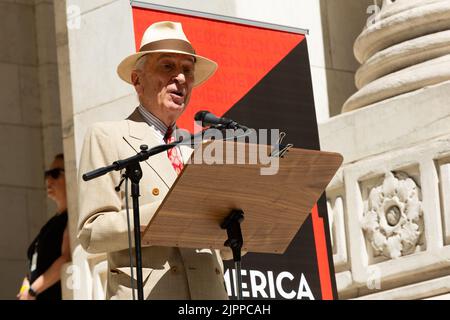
264, 82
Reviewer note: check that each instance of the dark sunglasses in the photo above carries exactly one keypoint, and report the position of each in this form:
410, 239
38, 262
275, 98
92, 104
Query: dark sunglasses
54, 173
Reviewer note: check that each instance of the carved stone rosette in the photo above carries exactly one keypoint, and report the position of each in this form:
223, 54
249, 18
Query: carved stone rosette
393, 219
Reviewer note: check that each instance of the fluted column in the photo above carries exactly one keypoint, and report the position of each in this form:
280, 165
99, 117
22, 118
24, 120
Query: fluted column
407, 48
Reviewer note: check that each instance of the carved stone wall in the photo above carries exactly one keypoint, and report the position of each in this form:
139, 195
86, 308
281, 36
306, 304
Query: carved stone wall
393, 189
387, 225
393, 217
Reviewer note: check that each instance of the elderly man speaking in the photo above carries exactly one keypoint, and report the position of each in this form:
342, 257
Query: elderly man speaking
163, 73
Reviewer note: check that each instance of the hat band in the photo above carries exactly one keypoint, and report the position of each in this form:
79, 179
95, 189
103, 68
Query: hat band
169, 44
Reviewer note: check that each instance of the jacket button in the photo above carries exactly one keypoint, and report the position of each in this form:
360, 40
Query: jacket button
217, 271
155, 191
173, 269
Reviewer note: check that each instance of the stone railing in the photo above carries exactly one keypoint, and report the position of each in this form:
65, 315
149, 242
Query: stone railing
386, 221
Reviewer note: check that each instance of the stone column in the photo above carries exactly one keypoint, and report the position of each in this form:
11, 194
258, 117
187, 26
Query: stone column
407, 48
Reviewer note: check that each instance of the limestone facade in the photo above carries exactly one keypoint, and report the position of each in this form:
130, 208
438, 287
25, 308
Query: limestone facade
389, 203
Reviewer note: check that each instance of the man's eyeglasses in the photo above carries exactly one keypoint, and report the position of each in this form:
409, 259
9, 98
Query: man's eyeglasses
54, 173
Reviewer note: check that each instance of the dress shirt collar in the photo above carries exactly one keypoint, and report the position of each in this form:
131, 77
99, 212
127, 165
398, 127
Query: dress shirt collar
153, 121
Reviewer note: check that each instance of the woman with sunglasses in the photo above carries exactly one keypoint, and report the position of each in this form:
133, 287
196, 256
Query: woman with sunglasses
50, 249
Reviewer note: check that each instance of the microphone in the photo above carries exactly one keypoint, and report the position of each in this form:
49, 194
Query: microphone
208, 119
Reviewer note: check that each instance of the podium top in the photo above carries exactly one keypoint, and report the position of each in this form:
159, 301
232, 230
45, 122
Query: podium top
275, 206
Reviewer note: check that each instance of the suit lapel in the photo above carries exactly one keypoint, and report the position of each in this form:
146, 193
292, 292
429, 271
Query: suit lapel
141, 133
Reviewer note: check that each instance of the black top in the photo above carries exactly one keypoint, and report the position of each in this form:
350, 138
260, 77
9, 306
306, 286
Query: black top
47, 246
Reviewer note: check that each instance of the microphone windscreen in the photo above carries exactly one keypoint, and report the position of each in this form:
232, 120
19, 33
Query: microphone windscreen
200, 116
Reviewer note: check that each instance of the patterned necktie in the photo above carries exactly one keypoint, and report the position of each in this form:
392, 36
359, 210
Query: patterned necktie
173, 154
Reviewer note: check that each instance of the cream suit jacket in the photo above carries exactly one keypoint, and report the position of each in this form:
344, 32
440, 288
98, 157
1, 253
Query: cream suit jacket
168, 273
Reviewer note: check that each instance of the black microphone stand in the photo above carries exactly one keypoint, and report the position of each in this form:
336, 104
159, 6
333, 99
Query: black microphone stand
232, 224
133, 172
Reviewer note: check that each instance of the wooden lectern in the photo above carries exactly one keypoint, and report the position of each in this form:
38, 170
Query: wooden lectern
275, 206
230, 186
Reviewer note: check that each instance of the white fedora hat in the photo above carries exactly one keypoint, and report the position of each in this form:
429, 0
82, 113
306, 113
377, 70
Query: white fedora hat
167, 36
